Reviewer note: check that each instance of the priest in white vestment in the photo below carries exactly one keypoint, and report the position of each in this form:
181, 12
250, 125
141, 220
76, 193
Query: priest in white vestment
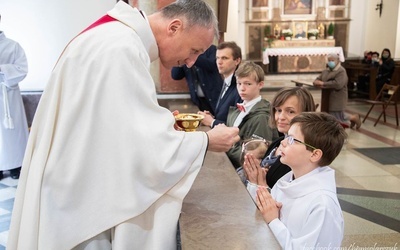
104, 167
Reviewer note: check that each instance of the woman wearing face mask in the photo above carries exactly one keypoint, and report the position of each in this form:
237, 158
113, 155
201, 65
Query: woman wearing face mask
386, 69
334, 77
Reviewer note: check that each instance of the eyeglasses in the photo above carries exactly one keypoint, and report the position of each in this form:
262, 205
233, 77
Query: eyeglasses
291, 140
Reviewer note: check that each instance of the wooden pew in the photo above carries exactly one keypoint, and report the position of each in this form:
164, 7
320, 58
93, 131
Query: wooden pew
354, 70
395, 80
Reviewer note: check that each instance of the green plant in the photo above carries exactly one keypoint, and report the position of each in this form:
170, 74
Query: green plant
267, 30
331, 29
268, 36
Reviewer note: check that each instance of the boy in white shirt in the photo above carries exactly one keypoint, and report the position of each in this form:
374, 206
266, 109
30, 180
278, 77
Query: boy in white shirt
302, 210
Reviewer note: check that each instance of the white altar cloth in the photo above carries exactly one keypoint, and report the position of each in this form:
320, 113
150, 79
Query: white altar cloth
302, 51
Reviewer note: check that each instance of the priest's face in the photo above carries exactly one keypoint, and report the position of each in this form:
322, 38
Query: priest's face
183, 45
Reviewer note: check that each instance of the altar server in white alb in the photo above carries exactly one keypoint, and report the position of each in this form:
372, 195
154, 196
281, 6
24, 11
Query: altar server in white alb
302, 210
13, 124
104, 167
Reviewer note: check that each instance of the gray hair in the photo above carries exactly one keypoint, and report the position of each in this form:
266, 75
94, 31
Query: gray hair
333, 55
196, 12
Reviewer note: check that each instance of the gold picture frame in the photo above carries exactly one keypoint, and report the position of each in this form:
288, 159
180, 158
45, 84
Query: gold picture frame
300, 29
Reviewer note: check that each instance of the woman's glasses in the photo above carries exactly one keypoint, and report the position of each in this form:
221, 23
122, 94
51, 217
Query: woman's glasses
291, 140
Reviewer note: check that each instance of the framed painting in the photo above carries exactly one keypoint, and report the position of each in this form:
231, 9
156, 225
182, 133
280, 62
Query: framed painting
297, 7
300, 29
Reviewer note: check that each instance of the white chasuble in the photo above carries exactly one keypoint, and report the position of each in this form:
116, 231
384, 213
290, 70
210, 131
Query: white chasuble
102, 152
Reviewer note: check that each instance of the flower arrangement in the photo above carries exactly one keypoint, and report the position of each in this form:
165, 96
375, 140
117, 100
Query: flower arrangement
312, 33
268, 37
287, 33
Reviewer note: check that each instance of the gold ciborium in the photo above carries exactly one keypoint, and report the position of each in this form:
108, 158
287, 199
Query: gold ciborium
188, 122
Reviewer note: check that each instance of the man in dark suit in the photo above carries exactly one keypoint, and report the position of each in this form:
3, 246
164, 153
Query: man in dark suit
229, 56
203, 80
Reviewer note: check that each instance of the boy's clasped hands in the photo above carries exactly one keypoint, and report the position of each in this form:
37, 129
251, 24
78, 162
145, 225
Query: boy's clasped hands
268, 207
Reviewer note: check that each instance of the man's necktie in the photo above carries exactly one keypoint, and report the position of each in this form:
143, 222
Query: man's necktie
224, 89
241, 107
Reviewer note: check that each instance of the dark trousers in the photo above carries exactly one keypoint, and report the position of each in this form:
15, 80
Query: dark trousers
205, 105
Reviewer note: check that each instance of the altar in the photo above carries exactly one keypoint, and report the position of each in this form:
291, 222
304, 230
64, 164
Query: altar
301, 55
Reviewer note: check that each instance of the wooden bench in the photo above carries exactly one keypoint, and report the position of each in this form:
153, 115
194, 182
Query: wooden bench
395, 80
354, 70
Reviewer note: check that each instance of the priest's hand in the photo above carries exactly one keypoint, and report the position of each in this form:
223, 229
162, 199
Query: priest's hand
176, 127
221, 138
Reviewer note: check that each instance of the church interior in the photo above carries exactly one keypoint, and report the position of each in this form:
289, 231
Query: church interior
290, 40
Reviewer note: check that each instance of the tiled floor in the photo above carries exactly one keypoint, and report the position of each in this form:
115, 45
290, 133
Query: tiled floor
7, 192
369, 192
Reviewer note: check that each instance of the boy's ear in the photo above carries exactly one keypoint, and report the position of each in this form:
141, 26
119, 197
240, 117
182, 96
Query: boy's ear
316, 155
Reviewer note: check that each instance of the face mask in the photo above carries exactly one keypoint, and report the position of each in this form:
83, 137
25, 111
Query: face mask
385, 56
331, 64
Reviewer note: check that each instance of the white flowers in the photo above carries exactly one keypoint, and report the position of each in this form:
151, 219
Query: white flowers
313, 32
287, 32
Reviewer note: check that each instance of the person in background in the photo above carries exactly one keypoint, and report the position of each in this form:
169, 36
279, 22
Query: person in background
363, 80
203, 80
367, 57
374, 59
286, 104
229, 56
253, 115
334, 78
91, 178
302, 209
13, 124
385, 70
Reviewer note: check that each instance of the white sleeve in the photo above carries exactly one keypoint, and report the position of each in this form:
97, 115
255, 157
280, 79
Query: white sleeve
323, 227
252, 189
